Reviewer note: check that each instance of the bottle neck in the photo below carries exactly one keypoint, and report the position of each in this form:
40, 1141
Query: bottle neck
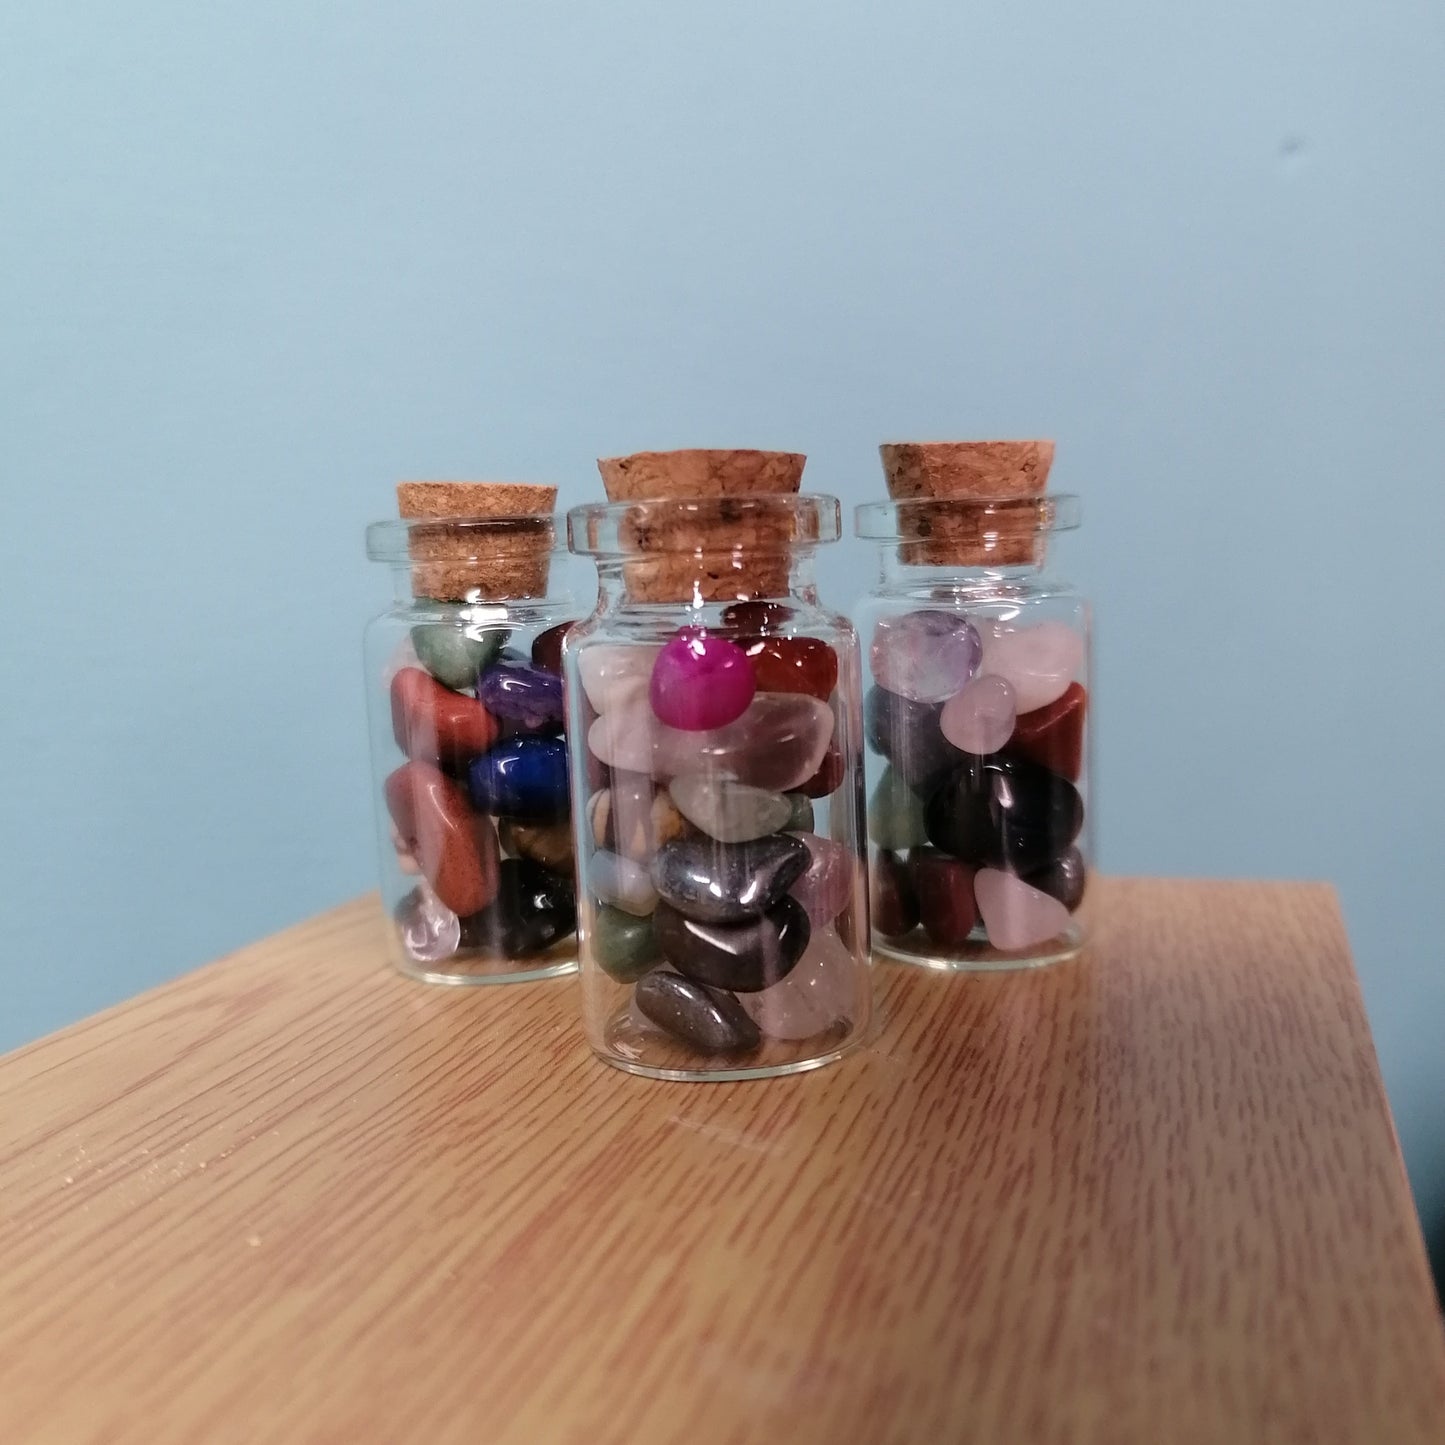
671, 580
960, 580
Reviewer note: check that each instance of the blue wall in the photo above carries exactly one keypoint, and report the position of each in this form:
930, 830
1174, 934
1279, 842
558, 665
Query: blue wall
257, 262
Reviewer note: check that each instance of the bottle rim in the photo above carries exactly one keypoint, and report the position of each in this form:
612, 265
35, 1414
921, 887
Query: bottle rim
771, 522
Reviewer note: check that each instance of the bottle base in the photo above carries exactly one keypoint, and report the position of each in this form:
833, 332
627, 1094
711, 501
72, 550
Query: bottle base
919, 951
468, 970
633, 1046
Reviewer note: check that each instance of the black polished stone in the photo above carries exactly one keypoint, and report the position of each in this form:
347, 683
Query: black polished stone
1064, 879
1004, 812
533, 909
709, 1019
728, 882
743, 957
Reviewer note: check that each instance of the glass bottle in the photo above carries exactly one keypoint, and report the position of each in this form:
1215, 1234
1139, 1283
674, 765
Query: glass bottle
715, 707
977, 722
468, 754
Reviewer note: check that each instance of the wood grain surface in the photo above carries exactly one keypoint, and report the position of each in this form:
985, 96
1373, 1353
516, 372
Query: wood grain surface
1153, 1196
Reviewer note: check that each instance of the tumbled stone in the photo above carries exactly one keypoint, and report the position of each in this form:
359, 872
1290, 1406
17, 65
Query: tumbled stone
828, 884
1015, 914
457, 850
728, 811
634, 817
800, 816
742, 957
895, 814
1039, 661
893, 902
778, 744
623, 883
612, 672
527, 697
927, 655
829, 776
534, 908
455, 652
549, 844
547, 647
429, 931
819, 993
433, 724
909, 734
1053, 736
623, 944
944, 889
980, 719
626, 735
1065, 879
700, 681
757, 616
1005, 812
710, 1020
793, 664
728, 882
522, 778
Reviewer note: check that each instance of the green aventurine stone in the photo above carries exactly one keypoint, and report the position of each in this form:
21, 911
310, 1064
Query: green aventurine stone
452, 655
623, 944
801, 820
895, 814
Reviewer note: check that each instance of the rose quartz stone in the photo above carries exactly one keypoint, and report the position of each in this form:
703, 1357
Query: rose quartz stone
826, 887
820, 991
980, 719
1039, 661
1015, 914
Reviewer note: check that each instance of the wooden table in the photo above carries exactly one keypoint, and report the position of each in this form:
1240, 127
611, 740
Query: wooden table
1153, 1196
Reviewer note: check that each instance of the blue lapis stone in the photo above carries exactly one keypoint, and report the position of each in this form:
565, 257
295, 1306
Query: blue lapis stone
522, 778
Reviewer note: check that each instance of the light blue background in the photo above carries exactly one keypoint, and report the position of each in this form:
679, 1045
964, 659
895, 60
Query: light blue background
259, 261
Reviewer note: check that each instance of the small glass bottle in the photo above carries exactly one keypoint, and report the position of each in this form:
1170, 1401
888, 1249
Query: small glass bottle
715, 707
976, 713
468, 754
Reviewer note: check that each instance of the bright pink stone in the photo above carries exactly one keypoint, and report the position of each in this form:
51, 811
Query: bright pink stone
1015, 914
819, 993
826, 887
701, 682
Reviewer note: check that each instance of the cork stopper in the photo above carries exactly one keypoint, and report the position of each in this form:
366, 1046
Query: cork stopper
968, 473
455, 564
717, 553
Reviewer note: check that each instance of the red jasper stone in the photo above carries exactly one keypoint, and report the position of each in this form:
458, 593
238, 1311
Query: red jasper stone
547, 647
457, 848
793, 664
894, 905
433, 724
1053, 736
756, 616
829, 774
944, 888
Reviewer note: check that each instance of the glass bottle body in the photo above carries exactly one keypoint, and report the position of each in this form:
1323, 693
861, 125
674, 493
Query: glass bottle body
470, 780
722, 910
977, 718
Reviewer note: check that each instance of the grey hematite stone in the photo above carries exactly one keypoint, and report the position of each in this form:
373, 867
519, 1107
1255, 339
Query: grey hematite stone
709, 1019
728, 882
